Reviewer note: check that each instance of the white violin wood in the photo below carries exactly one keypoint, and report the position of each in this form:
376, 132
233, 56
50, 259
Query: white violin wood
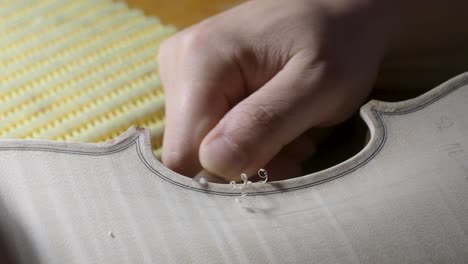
402, 199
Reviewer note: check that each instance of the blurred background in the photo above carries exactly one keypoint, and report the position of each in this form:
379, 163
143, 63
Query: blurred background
182, 13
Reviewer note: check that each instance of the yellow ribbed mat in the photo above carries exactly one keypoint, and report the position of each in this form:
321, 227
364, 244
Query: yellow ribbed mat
78, 70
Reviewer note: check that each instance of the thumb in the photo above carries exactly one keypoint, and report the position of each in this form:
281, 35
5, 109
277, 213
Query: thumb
256, 129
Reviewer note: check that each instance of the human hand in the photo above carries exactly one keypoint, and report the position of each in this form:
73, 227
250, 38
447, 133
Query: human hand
243, 86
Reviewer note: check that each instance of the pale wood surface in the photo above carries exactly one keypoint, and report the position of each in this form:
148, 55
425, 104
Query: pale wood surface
401, 200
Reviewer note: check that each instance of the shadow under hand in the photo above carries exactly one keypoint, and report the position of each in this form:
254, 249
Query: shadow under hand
345, 141
16, 245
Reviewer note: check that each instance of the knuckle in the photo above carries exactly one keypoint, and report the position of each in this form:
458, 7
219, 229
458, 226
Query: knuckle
265, 117
166, 48
254, 122
199, 38
190, 43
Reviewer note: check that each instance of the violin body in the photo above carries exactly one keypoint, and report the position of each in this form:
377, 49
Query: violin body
402, 199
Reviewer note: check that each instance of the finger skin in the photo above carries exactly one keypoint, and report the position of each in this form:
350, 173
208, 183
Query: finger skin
239, 88
194, 100
258, 128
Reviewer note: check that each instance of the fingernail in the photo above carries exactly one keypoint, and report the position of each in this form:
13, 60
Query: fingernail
223, 157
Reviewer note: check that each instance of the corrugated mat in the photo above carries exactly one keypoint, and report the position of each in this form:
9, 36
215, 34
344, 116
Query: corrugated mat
79, 70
